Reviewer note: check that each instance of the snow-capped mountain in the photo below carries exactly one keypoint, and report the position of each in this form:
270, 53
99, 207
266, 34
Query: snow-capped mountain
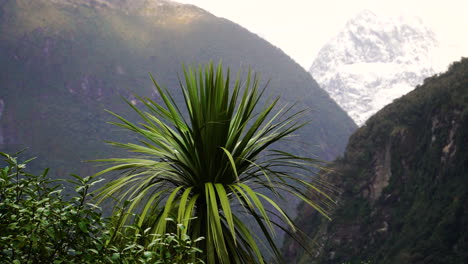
373, 61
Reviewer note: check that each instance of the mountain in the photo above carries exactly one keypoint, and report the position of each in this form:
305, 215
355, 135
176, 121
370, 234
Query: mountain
403, 181
373, 61
63, 62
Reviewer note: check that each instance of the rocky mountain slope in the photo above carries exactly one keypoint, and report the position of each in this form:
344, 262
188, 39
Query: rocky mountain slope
63, 62
404, 183
373, 61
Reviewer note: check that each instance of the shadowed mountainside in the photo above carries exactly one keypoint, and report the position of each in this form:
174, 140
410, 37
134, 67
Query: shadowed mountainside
63, 62
404, 182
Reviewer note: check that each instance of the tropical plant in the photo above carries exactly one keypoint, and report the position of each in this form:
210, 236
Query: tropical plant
214, 161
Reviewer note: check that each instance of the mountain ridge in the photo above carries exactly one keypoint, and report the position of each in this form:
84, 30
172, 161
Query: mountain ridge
373, 61
62, 65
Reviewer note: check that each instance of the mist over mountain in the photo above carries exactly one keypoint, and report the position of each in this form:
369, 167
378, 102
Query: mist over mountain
373, 61
403, 182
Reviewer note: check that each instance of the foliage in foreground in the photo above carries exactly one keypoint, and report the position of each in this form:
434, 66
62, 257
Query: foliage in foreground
38, 225
216, 163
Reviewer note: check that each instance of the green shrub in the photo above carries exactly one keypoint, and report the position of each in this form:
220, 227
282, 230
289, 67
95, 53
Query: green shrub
38, 225
170, 248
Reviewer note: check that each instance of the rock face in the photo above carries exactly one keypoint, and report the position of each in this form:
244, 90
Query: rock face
373, 61
403, 182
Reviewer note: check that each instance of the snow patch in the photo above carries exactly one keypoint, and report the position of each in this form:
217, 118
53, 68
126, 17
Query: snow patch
373, 61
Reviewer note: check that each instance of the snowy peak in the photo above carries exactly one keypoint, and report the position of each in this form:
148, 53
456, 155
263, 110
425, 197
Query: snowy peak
373, 61
375, 39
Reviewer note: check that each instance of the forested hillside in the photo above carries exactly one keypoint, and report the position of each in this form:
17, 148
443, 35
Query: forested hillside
404, 183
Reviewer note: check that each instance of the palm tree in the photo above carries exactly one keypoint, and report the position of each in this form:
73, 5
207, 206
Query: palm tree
209, 166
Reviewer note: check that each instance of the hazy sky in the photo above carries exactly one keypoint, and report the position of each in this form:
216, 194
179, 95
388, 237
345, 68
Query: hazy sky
301, 27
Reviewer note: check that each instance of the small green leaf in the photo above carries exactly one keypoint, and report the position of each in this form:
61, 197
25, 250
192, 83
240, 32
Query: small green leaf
83, 227
115, 256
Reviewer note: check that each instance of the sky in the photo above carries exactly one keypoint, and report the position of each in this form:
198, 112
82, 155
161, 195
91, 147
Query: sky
301, 27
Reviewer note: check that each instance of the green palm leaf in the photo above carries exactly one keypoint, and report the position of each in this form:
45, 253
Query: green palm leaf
212, 164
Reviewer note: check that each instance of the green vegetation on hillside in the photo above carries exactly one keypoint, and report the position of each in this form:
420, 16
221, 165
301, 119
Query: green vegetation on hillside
404, 182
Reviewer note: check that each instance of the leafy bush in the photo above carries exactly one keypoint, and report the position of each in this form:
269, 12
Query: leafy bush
170, 248
38, 225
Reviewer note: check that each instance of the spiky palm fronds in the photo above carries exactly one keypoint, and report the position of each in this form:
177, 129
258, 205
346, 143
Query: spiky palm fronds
207, 167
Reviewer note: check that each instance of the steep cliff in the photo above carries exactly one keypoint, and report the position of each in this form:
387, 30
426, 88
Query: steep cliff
404, 183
